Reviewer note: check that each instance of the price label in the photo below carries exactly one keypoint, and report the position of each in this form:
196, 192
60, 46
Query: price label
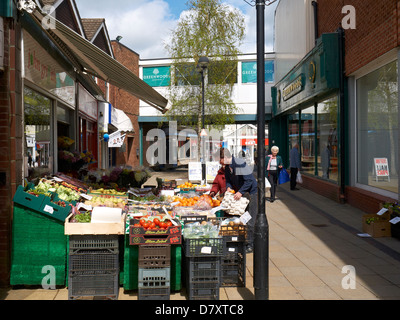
84, 206
382, 211
48, 209
86, 196
245, 217
394, 220
205, 250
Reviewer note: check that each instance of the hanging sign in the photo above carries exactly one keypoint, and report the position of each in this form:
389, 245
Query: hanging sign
116, 140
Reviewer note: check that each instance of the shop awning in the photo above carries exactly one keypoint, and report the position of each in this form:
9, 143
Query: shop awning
96, 62
120, 120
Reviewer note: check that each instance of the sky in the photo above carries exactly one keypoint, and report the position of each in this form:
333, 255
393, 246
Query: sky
145, 25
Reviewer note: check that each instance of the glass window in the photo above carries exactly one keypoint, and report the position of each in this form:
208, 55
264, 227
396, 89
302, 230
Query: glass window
308, 140
377, 128
38, 149
293, 130
327, 112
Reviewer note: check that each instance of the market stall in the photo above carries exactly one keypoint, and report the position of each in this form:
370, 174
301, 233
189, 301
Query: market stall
99, 238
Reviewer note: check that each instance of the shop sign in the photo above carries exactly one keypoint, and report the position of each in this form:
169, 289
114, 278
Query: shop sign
87, 104
249, 71
293, 88
157, 76
41, 69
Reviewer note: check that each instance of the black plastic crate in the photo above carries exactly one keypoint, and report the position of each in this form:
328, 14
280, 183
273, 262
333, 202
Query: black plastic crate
201, 247
157, 293
207, 290
154, 256
231, 247
93, 242
233, 268
200, 269
154, 277
94, 285
93, 260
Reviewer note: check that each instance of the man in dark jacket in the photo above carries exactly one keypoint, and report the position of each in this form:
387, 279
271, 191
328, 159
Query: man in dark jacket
239, 177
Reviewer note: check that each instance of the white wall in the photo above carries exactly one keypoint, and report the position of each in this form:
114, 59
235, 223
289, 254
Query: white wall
244, 95
294, 34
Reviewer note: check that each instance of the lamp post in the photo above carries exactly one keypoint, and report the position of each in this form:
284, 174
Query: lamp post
201, 67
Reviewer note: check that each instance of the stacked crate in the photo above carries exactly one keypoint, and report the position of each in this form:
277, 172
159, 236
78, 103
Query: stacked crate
154, 278
93, 263
203, 268
233, 262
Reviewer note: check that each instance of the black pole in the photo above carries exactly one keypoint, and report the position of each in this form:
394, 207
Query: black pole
203, 164
261, 230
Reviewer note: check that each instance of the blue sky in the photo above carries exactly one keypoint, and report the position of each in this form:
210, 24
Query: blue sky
145, 25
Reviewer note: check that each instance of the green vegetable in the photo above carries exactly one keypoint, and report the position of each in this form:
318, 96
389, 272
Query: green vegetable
83, 217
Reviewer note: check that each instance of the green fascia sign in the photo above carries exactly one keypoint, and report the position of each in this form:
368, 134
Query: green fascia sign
249, 71
157, 76
316, 75
6, 8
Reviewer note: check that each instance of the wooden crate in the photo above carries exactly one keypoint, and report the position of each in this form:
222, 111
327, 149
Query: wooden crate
71, 228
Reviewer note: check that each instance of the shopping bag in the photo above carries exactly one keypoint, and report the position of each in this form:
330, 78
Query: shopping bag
283, 176
299, 179
267, 184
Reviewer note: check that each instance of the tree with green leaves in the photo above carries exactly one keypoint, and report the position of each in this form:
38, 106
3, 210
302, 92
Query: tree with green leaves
208, 29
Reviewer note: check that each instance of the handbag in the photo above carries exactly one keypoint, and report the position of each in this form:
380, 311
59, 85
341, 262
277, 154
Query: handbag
299, 179
283, 176
267, 184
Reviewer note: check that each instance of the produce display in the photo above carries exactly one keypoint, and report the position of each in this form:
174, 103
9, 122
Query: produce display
204, 201
200, 230
48, 187
108, 191
234, 207
106, 201
154, 223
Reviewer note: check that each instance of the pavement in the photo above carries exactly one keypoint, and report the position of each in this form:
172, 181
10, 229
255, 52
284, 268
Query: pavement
315, 253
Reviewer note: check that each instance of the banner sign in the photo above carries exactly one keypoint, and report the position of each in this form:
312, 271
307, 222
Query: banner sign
156, 76
116, 140
249, 71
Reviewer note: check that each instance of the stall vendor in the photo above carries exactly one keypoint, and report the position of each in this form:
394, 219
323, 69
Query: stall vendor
219, 183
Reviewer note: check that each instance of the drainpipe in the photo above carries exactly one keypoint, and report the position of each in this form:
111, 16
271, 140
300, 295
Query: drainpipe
342, 131
315, 5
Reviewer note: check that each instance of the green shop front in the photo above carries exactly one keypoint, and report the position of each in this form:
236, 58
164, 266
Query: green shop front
308, 109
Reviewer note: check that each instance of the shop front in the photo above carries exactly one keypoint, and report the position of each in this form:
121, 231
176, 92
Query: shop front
306, 112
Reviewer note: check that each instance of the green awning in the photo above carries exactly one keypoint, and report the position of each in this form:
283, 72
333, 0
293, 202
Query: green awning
96, 62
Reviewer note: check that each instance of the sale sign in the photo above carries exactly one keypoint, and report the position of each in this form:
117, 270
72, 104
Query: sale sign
381, 167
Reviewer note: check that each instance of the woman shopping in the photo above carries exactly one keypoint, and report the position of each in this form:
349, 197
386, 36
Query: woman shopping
273, 164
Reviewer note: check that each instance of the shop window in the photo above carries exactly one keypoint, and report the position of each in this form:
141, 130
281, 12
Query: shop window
38, 155
308, 140
327, 139
377, 128
293, 130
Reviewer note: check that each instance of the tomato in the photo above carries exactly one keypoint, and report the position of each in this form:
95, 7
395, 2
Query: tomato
137, 225
142, 221
146, 225
156, 221
169, 223
163, 224
152, 225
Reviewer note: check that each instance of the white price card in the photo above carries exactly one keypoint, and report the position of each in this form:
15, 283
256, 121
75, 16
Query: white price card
86, 196
58, 179
48, 209
382, 211
245, 217
206, 250
394, 220
84, 206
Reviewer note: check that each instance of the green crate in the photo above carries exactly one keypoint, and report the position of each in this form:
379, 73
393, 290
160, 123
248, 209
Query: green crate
37, 242
131, 266
56, 211
28, 200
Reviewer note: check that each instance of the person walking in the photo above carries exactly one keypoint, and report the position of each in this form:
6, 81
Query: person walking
295, 166
273, 164
239, 178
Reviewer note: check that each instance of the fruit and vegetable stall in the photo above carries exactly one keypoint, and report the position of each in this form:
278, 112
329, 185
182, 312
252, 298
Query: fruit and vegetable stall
96, 240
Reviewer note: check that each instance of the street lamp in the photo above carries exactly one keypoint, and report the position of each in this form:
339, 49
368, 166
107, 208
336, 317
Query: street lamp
201, 67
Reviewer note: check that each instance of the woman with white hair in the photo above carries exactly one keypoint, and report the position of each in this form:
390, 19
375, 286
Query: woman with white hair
273, 164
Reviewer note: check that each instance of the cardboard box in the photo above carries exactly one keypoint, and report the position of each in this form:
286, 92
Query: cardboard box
376, 226
71, 228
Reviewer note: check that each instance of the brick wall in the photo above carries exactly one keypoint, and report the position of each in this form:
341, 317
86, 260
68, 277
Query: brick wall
128, 103
11, 132
377, 28
324, 188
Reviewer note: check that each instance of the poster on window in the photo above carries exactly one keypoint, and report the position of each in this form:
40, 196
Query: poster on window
381, 167
195, 173
212, 170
